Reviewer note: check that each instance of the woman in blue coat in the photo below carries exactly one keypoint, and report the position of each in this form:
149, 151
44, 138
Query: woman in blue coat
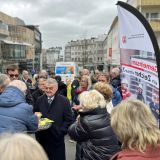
15, 114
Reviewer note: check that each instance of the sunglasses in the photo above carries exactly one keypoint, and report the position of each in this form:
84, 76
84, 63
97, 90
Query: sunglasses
13, 75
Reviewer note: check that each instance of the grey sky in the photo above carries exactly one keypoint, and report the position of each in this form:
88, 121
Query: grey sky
61, 21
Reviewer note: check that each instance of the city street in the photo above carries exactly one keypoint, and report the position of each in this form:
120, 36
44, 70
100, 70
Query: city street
70, 149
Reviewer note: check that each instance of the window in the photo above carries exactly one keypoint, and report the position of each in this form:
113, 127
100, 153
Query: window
147, 16
154, 15
90, 59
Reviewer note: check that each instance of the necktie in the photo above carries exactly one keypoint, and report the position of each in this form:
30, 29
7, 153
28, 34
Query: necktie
49, 101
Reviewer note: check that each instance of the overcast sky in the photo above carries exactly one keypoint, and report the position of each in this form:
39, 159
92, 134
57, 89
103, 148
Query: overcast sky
61, 21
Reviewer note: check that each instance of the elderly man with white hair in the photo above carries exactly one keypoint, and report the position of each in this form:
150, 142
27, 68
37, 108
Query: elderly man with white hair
25, 77
115, 77
57, 108
15, 114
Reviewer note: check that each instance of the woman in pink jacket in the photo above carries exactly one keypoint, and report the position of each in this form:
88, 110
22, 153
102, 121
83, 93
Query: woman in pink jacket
137, 130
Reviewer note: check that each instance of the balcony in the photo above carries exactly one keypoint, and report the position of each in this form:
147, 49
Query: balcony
148, 3
4, 33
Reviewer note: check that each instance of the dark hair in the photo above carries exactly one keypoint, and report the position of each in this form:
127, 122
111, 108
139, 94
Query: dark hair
12, 68
58, 78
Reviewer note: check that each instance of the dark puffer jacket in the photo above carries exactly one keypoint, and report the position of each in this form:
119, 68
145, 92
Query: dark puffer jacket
95, 135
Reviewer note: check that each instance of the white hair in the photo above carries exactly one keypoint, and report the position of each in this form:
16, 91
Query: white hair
52, 81
24, 72
19, 84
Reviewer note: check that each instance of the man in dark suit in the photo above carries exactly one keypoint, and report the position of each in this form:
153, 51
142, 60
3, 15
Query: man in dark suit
57, 108
39, 91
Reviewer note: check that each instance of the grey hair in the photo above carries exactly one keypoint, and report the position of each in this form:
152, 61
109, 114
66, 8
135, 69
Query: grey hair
116, 70
4, 80
24, 72
52, 81
43, 74
19, 84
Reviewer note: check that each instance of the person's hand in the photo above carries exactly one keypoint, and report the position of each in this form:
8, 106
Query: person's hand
38, 114
78, 118
76, 107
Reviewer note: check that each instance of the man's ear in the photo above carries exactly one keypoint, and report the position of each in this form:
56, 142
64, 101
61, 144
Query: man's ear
1, 89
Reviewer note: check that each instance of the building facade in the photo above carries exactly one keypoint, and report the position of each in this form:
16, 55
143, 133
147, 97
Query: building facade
37, 45
87, 53
113, 51
151, 11
17, 43
53, 55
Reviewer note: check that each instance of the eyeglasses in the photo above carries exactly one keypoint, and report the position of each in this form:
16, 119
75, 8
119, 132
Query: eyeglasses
49, 88
101, 80
13, 75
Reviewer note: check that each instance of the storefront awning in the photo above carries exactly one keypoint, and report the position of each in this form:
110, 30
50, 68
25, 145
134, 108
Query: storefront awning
14, 42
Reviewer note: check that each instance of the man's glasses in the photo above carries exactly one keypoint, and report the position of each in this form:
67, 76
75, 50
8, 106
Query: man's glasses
101, 80
13, 75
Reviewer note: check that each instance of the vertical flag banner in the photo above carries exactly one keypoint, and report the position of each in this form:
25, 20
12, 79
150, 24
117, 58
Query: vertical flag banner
139, 56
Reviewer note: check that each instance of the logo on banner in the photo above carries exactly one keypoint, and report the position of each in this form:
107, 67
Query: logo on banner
124, 39
110, 52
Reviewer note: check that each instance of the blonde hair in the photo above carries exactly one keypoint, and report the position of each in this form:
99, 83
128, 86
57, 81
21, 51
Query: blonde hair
106, 75
135, 125
35, 79
20, 147
87, 79
104, 89
91, 99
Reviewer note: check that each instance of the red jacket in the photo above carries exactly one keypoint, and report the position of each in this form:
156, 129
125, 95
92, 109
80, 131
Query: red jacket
127, 154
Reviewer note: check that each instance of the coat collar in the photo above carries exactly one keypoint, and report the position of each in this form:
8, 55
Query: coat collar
94, 111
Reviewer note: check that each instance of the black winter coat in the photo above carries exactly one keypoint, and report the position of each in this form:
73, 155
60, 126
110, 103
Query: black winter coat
52, 139
62, 89
36, 94
95, 135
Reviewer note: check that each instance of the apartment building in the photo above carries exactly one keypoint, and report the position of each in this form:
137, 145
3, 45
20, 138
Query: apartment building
37, 45
151, 11
113, 51
53, 55
17, 43
87, 53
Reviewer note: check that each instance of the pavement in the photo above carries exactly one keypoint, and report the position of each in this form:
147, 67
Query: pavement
70, 149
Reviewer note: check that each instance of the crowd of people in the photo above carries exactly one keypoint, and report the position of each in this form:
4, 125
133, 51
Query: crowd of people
94, 110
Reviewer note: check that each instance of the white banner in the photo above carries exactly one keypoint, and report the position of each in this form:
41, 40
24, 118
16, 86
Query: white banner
139, 71
132, 33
